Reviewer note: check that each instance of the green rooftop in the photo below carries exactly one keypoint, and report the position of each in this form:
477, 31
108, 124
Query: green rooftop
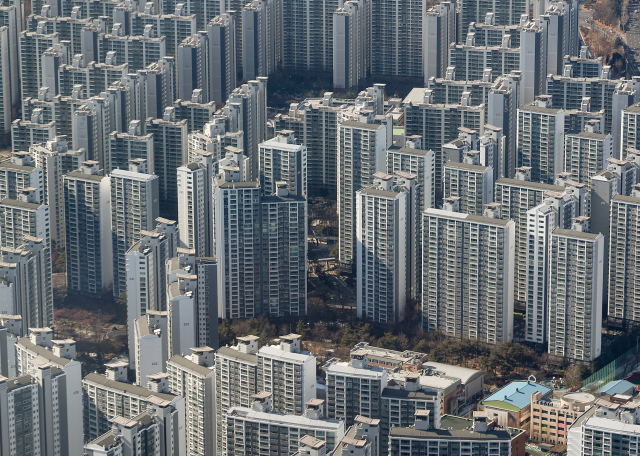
502, 405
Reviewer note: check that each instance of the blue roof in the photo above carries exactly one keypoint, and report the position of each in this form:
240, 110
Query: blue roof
517, 394
617, 387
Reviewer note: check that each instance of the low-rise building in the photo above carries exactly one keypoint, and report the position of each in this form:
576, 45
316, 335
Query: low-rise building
511, 405
450, 388
391, 359
471, 380
616, 387
551, 418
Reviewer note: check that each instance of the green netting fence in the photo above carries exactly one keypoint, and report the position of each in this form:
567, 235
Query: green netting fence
615, 370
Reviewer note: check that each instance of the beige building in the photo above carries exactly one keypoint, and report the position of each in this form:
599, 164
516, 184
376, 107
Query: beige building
552, 418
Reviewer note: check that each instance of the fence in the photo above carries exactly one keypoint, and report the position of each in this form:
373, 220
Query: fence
613, 371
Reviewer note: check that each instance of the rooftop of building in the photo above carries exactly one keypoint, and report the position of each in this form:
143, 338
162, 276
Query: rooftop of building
610, 425
43, 351
466, 166
529, 184
462, 216
276, 352
361, 125
232, 353
403, 393
633, 108
227, 184
465, 374
143, 327
374, 191
279, 419
515, 396
106, 441
626, 199
617, 387
575, 234
126, 174
191, 366
283, 199
275, 143
126, 388
378, 352
21, 204
569, 398
430, 380
351, 438
587, 135
8, 164
532, 107
456, 428
587, 414
312, 442
336, 367
142, 419
83, 176
408, 150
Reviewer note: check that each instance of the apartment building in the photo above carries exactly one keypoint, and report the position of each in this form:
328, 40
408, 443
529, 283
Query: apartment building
354, 388
586, 154
540, 141
623, 278
56, 159
27, 430
361, 153
131, 145
221, 32
26, 287
40, 348
25, 133
20, 172
239, 266
284, 249
382, 260
193, 378
576, 264
283, 159
556, 210
469, 181
134, 207
516, 197
457, 435
89, 251
236, 381
483, 308
246, 428
288, 373
170, 152
107, 397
